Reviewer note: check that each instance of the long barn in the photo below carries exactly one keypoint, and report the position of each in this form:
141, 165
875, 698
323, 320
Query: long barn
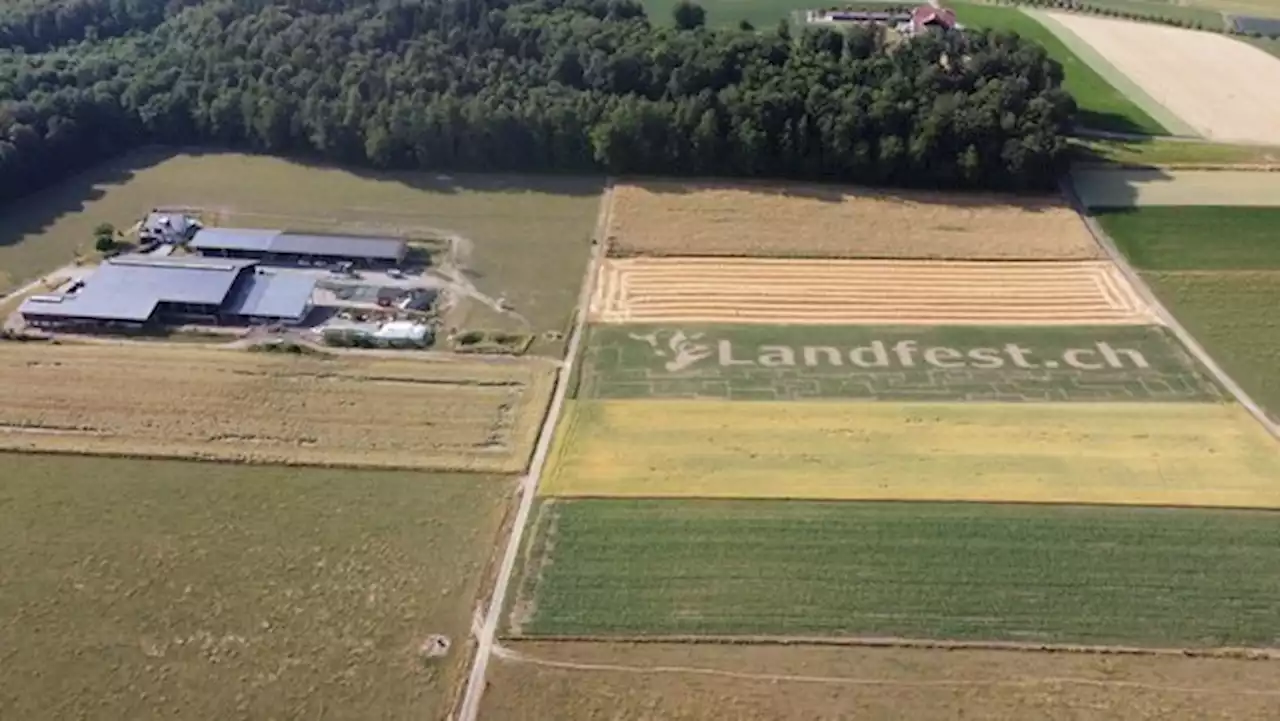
287, 247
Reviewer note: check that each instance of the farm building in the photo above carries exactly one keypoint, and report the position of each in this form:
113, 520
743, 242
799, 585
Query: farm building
927, 17
286, 247
139, 289
169, 228
914, 22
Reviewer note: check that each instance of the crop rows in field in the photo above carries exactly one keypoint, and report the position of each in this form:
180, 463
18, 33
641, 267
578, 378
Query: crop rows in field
1182, 454
1024, 573
1218, 270
150, 400
798, 221
743, 290
754, 362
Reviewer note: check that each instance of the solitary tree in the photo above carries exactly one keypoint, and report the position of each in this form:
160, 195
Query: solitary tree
104, 237
688, 15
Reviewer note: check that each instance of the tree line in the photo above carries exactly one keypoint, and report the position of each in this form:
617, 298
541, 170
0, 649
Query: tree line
521, 85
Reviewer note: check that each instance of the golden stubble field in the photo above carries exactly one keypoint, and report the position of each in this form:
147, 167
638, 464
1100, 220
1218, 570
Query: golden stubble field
687, 682
163, 401
1218, 85
740, 219
1179, 454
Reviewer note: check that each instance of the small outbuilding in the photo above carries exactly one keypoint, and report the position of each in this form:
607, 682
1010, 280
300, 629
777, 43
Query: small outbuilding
403, 332
167, 228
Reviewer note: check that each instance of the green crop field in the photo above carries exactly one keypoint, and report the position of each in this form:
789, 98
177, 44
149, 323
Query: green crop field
1267, 45
525, 239
1234, 315
1101, 105
1196, 237
1026, 573
746, 362
1218, 270
163, 589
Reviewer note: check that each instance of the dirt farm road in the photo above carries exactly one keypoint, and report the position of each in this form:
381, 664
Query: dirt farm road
486, 635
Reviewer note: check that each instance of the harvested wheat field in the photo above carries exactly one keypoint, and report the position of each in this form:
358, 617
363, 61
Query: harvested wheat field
695, 682
150, 400
1221, 87
1178, 454
658, 218
767, 290
1138, 187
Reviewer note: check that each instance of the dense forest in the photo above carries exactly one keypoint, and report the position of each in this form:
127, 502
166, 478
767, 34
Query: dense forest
523, 85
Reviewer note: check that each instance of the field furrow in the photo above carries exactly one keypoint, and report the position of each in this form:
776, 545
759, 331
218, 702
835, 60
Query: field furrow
649, 290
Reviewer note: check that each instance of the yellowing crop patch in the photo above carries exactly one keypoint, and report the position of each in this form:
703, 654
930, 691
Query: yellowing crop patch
1184, 454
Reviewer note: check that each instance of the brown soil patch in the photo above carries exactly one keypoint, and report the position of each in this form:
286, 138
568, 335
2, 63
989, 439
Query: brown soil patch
759, 290
1159, 186
164, 401
871, 684
661, 218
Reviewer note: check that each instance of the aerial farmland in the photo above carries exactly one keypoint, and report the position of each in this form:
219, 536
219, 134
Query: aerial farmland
237, 508
558, 362
745, 428
1205, 242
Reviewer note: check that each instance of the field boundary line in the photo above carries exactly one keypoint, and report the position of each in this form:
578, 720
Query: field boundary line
1231, 652
469, 707
873, 257
567, 497
514, 656
1157, 307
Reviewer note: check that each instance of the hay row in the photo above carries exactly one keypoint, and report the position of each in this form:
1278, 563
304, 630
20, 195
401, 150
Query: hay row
655, 290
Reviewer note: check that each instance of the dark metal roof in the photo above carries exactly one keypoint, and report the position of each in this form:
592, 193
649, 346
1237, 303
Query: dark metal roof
265, 294
233, 239
276, 241
128, 288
